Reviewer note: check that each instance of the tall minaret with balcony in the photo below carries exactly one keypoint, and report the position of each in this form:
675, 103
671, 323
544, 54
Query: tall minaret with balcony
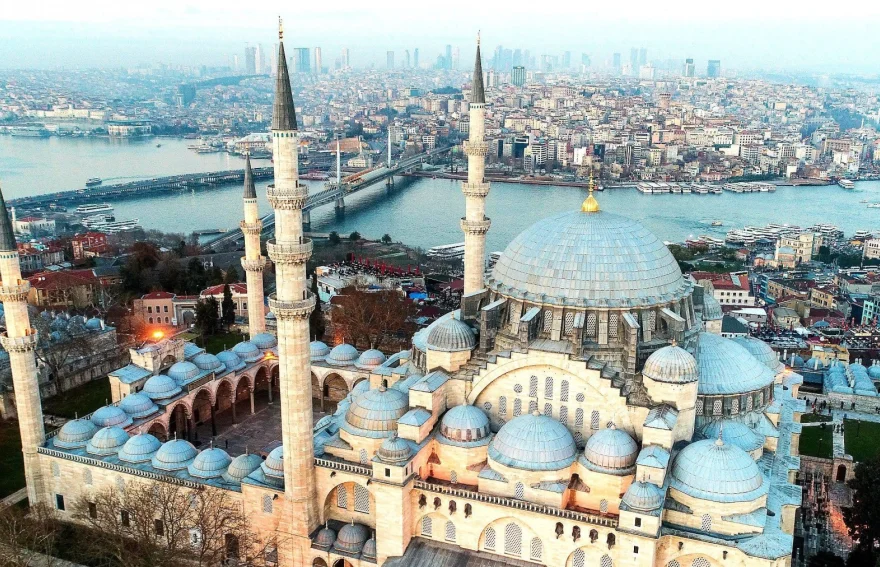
475, 224
20, 341
292, 305
253, 262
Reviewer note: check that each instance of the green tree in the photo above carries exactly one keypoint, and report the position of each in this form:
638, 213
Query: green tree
863, 518
317, 324
354, 236
228, 307
196, 276
386, 238
334, 238
231, 275
215, 276
826, 559
208, 316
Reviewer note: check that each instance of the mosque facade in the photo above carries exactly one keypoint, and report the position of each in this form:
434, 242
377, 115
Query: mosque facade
581, 408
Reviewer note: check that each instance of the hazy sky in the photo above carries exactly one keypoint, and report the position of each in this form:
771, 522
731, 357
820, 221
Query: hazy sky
780, 35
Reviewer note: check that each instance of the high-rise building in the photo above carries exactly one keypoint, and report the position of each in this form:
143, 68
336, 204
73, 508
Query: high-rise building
235, 63
416, 57
346, 62
566, 60
407, 60
259, 60
585, 60
643, 56
633, 58
448, 57
389, 59
455, 58
319, 64
689, 68
302, 60
186, 93
518, 76
250, 60
713, 68
615, 62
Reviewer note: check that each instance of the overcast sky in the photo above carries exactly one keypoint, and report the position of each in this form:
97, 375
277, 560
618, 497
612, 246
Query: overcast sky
785, 35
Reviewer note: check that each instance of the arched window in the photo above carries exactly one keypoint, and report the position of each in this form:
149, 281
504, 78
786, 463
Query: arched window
468, 510
700, 404
610, 540
341, 497
548, 387
361, 499
450, 532
502, 406
423, 501
580, 397
577, 560
536, 549
427, 527
563, 415
548, 320
613, 324
606, 561
533, 406
533, 387
749, 403
575, 533
734, 405
706, 522
559, 529
548, 410
673, 563
716, 407
489, 542
120, 484
452, 507
267, 504
487, 406
453, 477
512, 539
603, 506
563, 391
518, 388
579, 418
591, 325
569, 322
594, 536
517, 407
700, 562
594, 420
437, 503
519, 491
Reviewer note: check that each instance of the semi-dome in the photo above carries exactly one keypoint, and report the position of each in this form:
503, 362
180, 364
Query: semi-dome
716, 471
318, 351
161, 387
612, 451
210, 463
711, 308
141, 448
734, 433
342, 355
107, 441
465, 423
111, 415
395, 450
183, 372
325, 538
94, 324
375, 412
369, 359
588, 259
671, 364
232, 361
247, 351
264, 341
138, 405
75, 434
208, 361
450, 335
728, 368
533, 442
643, 496
241, 466
273, 467
351, 538
174, 455
762, 351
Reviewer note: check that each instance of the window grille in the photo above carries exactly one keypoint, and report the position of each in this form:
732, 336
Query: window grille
548, 320
716, 407
519, 491
364, 458
606, 561
594, 420
533, 406
502, 406
578, 559
580, 398
341, 497
563, 391
734, 405
450, 532
533, 387
591, 325
517, 407
267, 504
749, 403
487, 406
453, 477
613, 324
700, 562
548, 388
361, 499
563, 415
579, 418
569, 323
548, 410
489, 542
706, 522
512, 539
603, 506
536, 549
518, 388
700, 404
427, 527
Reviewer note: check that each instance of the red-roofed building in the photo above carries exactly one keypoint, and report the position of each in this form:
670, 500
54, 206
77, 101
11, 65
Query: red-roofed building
239, 297
89, 245
69, 288
35, 256
730, 289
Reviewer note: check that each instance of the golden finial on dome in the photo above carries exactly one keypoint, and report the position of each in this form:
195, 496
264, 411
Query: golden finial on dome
591, 205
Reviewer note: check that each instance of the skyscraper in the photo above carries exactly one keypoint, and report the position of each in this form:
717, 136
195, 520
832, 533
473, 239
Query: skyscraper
518, 76
416, 57
407, 59
643, 56
713, 68
346, 63
448, 57
319, 65
455, 58
259, 60
566, 60
615, 62
633, 59
302, 61
250, 60
389, 59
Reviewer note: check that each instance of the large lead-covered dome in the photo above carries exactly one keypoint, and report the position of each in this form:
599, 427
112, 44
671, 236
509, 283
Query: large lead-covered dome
533, 442
717, 472
726, 367
591, 259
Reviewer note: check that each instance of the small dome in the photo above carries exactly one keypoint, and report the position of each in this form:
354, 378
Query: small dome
264, 341
643, 497
370, 359
55, 336
183, 372
60, 323
369, 551
139, 449
325, 538
762, 351
174, 455
94, 324
247, 351
450, 335
360, 388
375, 412
241, 466
273, 466
796, 361
351, 538
138, 405
533, 442
874, 372
231, 360
728, 368
210, 463
816, 364
395, 450
717, 472
671, 364
75, 434
611, 450
342, 355
711, 308
161, 387
318, 351
111, 415
207, 361
734, 433
465, 423
107, 441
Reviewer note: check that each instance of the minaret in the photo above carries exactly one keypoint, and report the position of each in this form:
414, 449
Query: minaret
292, 305
475, 224
253, 262
20, 341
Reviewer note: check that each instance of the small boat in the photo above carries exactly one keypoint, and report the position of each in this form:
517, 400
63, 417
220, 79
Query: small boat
158, 145
846, 184
874, 205
92, 181
717, 223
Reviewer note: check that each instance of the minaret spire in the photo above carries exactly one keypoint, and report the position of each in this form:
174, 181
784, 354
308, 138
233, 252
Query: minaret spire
478, 94
250, 190
283, 112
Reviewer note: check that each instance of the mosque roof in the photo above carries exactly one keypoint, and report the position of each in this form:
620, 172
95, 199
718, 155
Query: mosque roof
107, 441
250, 190
210, 463
174, 455
533, 442
241, 466
111, 415
645, 497
318, 350
733, 432
161, 387
247, 351
762, 351
465, 423
351, 538
611, 451
716, 471
75, 434
283, 111
232, 361
207, 361
342, 355
711, 308
450, 335
671, 364
130, 373
726, 367
264, 341
138, 405
139, 448
375, 412
369, 359
395, 450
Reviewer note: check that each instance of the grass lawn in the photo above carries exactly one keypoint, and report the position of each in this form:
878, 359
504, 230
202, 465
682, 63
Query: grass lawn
814, 418
82, 400
860, 438
817, 442
11, 460
219, 342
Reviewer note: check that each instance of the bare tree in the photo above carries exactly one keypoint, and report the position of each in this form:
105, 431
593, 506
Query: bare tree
27, 538
372, 318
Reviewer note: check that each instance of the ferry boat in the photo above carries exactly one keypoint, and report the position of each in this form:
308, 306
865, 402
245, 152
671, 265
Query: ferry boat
92, 181
846, 184
93, 208
30, 132
108, 224
447, 252
874, 205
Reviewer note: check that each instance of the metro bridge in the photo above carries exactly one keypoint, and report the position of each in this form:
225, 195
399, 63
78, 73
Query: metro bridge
336, 193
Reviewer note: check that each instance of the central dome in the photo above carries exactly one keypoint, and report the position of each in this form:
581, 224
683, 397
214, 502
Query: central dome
533, 443
594, 259
717, 472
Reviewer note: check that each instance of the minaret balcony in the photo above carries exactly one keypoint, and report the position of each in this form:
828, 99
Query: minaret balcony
475, 189
478, 149
290, 253
15, 292
251, 228
297, 309
476, 226
287, 199
27, 343
255, 265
